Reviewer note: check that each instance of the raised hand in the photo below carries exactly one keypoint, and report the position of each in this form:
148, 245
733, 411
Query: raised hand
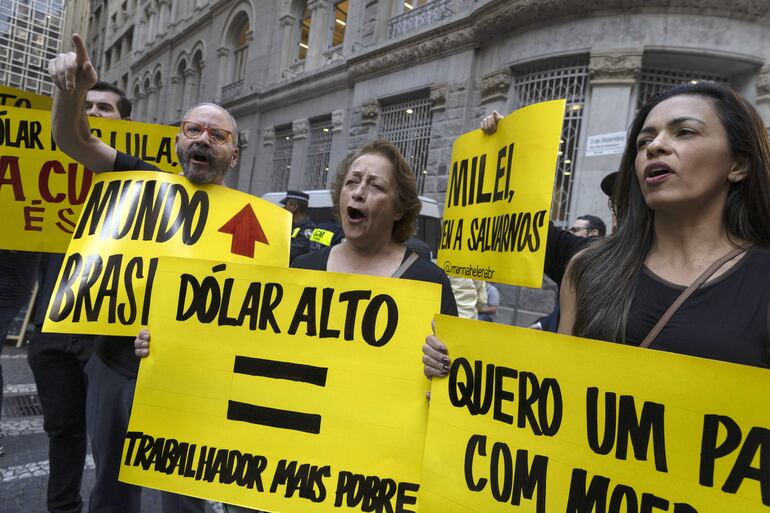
73, 71
489, 123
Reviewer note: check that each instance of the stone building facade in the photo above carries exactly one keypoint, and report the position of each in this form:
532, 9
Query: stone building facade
309, 80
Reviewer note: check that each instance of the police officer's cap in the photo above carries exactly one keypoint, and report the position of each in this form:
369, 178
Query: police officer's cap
300, 196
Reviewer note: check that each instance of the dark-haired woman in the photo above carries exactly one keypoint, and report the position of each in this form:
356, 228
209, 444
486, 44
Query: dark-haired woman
693, 187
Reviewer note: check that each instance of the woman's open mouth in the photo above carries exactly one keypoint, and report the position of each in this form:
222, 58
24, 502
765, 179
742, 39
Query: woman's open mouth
355, 215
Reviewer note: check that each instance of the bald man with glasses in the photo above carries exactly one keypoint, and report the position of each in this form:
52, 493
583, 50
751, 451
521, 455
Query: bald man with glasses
206, 147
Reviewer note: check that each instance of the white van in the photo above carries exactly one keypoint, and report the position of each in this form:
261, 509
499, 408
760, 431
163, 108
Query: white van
320, 206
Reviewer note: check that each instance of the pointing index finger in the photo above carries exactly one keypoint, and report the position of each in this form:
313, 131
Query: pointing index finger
80, 51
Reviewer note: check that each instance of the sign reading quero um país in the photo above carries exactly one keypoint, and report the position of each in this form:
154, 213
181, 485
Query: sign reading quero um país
498, 198
549, 423
606, 144
130, 219
282, 389
42, 190
12, 97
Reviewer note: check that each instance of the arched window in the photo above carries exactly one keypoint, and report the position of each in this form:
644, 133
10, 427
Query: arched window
239, 43
179, 87
304, 33
339, 22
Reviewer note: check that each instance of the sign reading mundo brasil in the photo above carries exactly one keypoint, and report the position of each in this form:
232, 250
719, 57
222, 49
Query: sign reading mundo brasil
282, 389
129, 220
11, 97
549, 423
498, 198
42, 190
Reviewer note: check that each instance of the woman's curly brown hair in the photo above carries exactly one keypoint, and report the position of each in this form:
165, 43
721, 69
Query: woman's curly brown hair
407, 201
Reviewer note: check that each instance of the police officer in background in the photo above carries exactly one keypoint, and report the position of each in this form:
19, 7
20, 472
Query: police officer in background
305, 236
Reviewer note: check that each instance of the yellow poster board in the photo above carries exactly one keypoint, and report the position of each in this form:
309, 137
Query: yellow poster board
303, 391
11, 97
499, 196
130, 219
540, 422
42, 189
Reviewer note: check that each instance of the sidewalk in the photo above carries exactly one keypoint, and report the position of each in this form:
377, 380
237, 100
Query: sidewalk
24, 466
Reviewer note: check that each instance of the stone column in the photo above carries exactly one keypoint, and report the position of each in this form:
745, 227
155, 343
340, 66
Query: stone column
163, 16
339, 145
300, 128
318, 42
141, 107
223, 54
190, 84
614, 74
288, 51
177, 88
763, 94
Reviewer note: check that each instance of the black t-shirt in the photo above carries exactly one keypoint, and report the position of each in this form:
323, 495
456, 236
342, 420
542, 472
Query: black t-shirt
726, 319
118, 352
421, 270
560, 247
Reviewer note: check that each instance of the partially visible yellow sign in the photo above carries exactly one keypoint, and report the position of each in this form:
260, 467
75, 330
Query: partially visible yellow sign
549, 423
282, 389
129, 220
42, 189
10, 97
498, 198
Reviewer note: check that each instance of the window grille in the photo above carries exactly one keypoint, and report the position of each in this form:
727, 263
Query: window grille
282, 150
406, 123
318, 150
656, 80
553, 81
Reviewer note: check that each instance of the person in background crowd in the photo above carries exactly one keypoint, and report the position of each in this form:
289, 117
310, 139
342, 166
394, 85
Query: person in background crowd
58, 360
375, 197
206, 149
585, 227
469, 294
691, 197
17, 278
488, 310
588, 226
302, 226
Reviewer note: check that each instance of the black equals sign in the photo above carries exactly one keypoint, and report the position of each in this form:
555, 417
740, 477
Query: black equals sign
273, 417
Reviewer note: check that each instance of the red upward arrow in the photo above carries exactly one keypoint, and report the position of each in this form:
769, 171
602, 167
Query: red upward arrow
246, 230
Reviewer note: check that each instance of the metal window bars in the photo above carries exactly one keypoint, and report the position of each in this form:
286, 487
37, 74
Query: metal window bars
318, 150
551, 81
407, 123
282, 150
656, 80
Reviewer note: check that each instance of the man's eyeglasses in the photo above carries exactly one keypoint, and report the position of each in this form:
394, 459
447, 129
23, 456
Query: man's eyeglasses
193, 130
576, 229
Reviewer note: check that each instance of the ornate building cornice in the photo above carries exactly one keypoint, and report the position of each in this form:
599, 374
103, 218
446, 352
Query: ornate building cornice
621, 66
495, 85
499, 18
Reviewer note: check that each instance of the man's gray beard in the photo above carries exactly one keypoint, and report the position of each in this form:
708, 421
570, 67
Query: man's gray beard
217, 169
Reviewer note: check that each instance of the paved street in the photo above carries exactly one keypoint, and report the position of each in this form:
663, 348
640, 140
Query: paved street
24, 466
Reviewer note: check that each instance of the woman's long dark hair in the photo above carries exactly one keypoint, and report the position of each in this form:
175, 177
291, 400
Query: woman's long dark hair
604, 276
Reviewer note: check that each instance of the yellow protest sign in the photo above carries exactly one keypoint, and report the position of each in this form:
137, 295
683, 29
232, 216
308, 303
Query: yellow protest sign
282, 389
11, 97
549, 423
42, 189
130, 219
498, 198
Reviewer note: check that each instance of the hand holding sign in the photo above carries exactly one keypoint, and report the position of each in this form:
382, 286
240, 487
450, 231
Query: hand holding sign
73, 71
